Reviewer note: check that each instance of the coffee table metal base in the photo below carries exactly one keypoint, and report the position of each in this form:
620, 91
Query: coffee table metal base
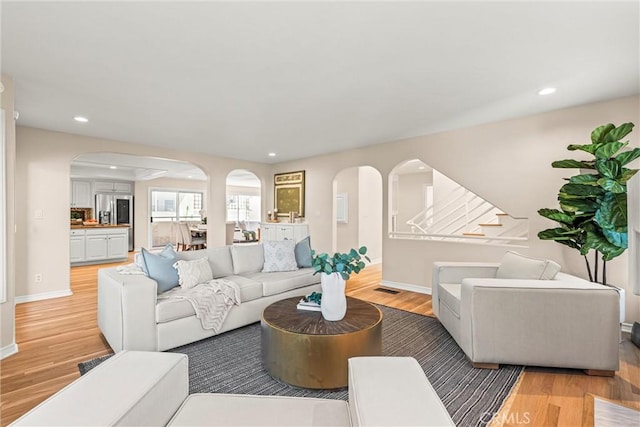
316, 361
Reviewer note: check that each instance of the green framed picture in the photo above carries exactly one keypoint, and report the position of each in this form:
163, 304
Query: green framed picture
289, 193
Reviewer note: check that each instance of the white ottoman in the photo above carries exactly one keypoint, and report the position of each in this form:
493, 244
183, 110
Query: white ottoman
130, 388
393, 391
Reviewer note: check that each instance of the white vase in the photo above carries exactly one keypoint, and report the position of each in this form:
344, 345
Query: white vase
334, 302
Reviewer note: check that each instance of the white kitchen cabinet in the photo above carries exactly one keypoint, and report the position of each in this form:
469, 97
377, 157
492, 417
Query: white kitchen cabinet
96, 247
76, 246
117, 246
80, 194
283, 231
112, 187
99, 244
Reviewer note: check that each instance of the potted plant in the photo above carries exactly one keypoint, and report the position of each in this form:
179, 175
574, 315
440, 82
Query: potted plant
335, 271
593, 204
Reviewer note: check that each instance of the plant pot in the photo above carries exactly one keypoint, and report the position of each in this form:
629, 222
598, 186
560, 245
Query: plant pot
333, 304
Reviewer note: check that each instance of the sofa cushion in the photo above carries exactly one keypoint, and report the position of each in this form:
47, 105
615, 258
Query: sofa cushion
449, 294
247, 258
279, 255
219, 259
302, 252
516, 266
192, 273
249, 289
278, 282
160, 268
247, 410
168, 310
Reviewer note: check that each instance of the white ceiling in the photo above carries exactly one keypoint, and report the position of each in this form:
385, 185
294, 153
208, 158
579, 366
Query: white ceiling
241, 79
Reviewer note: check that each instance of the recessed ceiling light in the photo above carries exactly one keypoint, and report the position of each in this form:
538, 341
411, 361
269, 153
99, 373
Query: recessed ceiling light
421, 167
189, 176
80, 119
113, 167
272, 154
547, 91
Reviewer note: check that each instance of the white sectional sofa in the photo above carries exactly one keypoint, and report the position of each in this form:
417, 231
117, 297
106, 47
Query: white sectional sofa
151, 389
131, 317
563, 322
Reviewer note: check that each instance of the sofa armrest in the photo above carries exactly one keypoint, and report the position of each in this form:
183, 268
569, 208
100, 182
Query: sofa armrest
393, 391
127, 310
570, 324
454, 272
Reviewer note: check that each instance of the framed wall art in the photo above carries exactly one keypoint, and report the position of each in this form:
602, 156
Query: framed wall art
289, 193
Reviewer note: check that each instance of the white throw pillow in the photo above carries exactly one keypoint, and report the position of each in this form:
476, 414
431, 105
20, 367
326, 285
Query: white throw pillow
517, 266
191, 273
279, 256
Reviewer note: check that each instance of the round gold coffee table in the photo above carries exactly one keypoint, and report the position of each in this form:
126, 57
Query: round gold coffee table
300, 348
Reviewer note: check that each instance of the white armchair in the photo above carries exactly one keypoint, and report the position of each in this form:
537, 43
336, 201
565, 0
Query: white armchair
563, 322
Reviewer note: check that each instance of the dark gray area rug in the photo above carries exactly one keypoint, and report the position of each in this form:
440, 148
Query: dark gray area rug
230, 363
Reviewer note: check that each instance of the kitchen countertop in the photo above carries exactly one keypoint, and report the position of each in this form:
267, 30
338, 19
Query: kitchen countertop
80, 226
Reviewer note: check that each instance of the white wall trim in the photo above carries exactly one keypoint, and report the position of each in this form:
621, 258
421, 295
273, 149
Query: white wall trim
406, 287
8, 350
42, 296
626, 327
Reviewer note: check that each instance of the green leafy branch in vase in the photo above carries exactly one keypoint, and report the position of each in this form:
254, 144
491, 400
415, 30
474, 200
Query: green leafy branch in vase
343, 263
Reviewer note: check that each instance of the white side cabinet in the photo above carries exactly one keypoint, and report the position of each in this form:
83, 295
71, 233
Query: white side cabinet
80, 194
99, 244
283, 231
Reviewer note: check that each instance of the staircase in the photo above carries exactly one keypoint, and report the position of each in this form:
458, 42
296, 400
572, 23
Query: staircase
464, 216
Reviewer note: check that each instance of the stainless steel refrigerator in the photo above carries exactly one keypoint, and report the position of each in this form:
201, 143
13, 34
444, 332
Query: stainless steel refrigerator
116, 209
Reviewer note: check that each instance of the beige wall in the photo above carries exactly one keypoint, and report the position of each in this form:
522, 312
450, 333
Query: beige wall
506, 163
370, 212
7, 311
411, 197
43, 159
347, 233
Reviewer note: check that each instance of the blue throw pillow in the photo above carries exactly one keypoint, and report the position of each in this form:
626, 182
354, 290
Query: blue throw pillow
167, 252
303, 253
160, 268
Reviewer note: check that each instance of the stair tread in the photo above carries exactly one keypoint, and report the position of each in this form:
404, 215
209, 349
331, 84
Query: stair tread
502, 214
490, 225
473, 234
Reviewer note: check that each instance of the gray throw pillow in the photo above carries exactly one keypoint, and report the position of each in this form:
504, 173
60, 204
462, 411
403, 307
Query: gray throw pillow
160, 268
303, 253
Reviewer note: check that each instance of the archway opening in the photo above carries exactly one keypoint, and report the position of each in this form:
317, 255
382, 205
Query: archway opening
244, 206
358, 211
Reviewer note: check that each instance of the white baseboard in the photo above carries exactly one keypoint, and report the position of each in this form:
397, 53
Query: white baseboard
8, 350
406, 287
44, 295
626, 327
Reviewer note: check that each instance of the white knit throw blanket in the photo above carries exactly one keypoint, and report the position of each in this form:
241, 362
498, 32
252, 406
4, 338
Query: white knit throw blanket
211, 301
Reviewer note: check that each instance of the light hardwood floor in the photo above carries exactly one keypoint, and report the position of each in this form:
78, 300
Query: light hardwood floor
55, 335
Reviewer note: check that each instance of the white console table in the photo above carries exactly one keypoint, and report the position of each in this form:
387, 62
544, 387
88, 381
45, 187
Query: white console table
283, 231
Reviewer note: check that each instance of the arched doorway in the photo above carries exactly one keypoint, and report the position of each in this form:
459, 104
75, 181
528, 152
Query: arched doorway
358, 211
244, 206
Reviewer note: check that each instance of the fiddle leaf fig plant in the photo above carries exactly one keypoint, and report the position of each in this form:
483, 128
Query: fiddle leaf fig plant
343, 263
593, 205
